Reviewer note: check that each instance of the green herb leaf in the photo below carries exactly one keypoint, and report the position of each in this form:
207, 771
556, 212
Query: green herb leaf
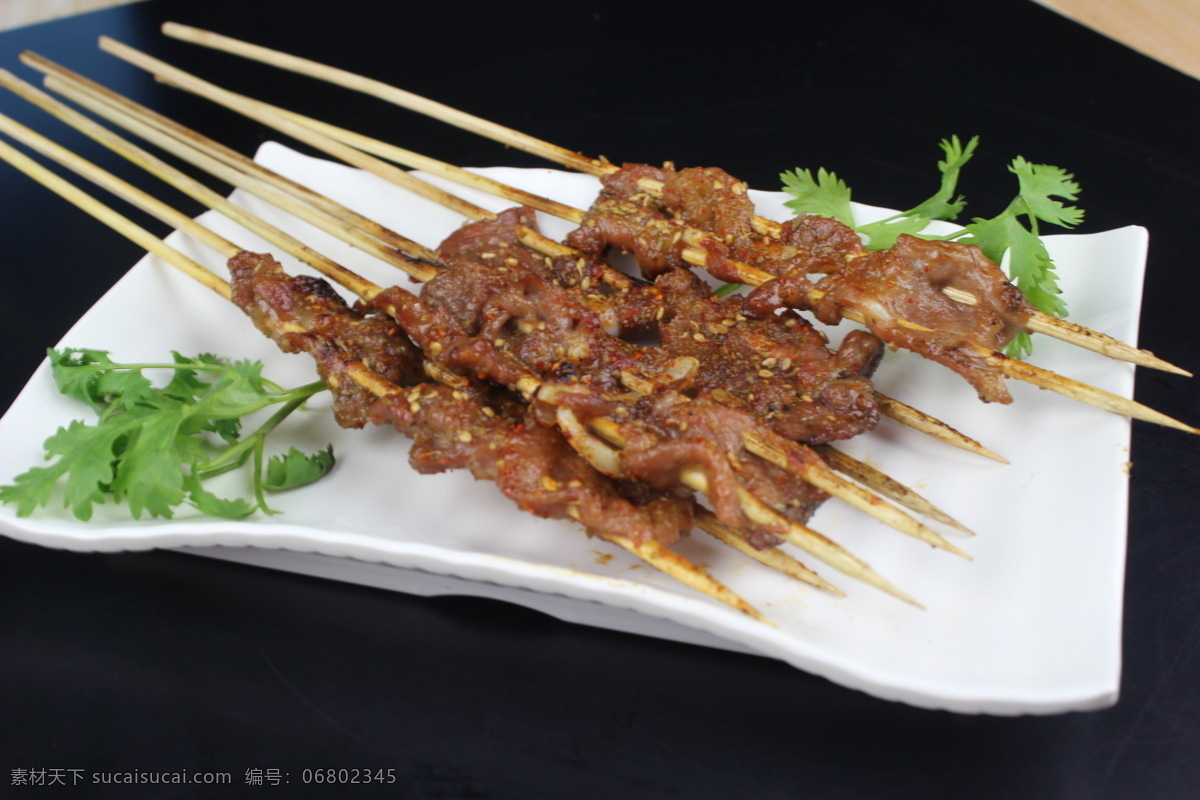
1040, 183
145, 448
297, 469
1014, 233
825, 194
208, 503
942, 205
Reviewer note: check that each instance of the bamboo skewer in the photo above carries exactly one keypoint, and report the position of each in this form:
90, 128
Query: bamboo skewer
382, 91
859, 498
319, 218
653, 553
880, 483
800, 535
1043, 379
146, 202
1039, 322
755, 509
138, 235
773, 557
80, 88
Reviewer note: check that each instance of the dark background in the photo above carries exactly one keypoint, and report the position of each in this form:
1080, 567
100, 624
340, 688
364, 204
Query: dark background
159, 661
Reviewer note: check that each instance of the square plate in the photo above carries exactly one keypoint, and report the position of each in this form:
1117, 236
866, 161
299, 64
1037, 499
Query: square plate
1031, 625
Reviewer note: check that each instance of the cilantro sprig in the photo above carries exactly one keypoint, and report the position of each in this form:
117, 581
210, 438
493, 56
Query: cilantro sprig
153, 448
1011, 237
829, 196
1014, 232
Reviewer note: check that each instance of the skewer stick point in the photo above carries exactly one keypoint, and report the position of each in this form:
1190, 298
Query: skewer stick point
1091, 395
856, 496
687, 573
920, 421
887, 486
772, 557
1098, 342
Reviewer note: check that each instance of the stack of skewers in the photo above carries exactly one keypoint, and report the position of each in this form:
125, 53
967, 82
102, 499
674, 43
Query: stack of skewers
638, 405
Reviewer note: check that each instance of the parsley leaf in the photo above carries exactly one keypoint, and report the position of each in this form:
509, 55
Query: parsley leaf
829, 196
214, 506
297, 469
1042, 182
825, 194
152, 448
942, 205
1014, 232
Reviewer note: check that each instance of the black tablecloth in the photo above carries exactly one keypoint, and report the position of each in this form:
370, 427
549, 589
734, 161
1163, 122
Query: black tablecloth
151, 662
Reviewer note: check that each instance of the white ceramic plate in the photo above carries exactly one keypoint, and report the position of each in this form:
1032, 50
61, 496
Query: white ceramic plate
1031, 625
